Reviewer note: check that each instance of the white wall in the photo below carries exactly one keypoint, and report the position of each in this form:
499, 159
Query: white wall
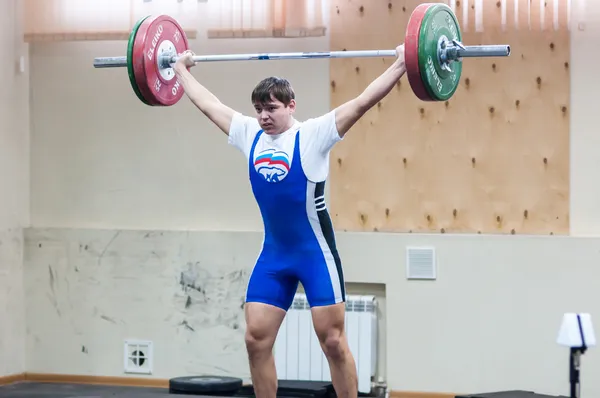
585, 137
14, 184
118, 189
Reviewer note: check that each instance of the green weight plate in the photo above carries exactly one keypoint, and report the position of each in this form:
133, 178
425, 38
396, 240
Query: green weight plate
130, 70
439, 24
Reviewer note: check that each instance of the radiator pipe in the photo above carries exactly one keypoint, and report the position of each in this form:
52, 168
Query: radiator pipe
380, 385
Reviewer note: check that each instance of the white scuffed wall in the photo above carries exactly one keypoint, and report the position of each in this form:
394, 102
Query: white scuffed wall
12, 303
90, 290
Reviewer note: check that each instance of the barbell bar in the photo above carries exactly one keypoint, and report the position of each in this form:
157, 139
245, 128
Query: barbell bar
447, 54
433, 55
109, 62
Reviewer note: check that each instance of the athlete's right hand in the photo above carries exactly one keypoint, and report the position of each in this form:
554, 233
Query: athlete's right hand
185, 59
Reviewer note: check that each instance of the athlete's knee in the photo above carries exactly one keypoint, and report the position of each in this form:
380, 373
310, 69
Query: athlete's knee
330, 329
258, 339
261, 330
333, 343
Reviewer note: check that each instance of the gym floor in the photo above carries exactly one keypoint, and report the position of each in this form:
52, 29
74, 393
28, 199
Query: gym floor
31, 389
59, 390
288, 389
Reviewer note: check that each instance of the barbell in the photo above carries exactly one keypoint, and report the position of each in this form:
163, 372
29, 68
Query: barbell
433, 53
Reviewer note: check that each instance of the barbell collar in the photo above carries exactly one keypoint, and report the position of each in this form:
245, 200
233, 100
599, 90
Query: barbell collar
455, 51
110, 62
483, 51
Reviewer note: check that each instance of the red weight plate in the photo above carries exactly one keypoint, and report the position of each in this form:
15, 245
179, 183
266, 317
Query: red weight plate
411, 51
158, 35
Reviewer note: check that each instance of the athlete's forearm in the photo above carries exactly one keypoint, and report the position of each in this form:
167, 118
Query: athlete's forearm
381, 86
347, 114
219, 113
197, 93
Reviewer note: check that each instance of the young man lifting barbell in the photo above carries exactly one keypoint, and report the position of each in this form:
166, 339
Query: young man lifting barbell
288, 165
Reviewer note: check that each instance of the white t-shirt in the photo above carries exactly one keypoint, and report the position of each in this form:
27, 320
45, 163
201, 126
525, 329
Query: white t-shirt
317, 137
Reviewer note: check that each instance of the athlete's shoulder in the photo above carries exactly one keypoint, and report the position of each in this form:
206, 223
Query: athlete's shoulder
321, 132
323, 122
242, 132
243, 123
318, 135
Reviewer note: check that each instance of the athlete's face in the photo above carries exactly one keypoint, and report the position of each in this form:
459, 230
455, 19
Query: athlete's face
273, 116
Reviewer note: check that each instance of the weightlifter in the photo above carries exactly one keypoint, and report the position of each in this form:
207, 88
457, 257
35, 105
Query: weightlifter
288, 165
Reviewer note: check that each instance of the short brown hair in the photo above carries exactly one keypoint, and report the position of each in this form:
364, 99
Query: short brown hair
279, 88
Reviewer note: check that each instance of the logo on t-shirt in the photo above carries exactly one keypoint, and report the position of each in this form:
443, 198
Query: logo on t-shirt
272, 164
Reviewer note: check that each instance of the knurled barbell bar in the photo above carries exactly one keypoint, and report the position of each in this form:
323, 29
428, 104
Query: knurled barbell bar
432, 46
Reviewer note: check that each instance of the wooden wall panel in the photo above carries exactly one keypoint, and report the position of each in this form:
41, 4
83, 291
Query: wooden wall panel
493, 159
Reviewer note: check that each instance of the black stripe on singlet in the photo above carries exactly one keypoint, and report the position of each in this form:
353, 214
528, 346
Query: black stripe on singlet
327, 229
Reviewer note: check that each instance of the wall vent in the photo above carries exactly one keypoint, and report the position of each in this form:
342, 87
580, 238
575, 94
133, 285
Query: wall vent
420, 263
138, 356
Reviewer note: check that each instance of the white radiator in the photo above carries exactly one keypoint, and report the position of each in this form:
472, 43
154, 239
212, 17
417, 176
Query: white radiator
298, 355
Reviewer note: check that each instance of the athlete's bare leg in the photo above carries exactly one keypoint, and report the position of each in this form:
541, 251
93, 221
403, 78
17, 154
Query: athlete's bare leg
329, 326
262, 324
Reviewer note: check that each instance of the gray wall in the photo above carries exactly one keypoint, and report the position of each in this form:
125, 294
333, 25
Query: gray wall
14, 185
